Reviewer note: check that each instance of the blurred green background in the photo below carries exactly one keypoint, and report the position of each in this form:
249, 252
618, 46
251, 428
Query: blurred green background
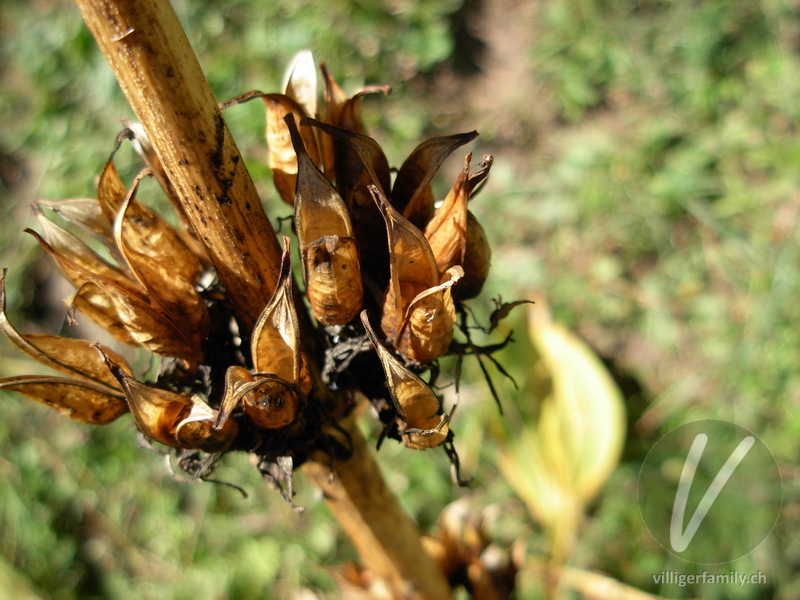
646, 181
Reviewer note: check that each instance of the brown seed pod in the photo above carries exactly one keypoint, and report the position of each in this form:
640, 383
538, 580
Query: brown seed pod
447, 232
268, 401
360, 162
176, 420
418, 311
275, 347
331, 266
281, 157
477, 260
419, 411
198, 429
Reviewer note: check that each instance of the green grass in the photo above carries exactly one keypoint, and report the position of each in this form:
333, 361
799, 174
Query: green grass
657, 208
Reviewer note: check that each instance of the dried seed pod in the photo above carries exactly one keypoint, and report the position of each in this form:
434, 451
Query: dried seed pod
176, 420
418, 311
331, 266
419, 411
275, 346
427, 327
412, 195
198, 429
281, 157
268, 401
447, 231
477, 259
157, 412
360, 162
455, 235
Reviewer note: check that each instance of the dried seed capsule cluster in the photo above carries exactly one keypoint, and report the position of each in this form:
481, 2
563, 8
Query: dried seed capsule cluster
367, 244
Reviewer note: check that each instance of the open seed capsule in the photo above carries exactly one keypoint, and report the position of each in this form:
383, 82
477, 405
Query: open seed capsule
419, 412
331, 266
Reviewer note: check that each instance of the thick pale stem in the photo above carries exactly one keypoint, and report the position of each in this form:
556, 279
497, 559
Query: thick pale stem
159, 74
385, 536
157, 70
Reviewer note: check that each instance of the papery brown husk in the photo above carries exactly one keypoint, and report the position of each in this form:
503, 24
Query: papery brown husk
82, 401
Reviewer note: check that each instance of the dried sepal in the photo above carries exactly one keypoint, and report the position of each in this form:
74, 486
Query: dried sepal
83, 401
421, 421
71, 248
163, 265
331, 265
83, 212
359, 161
280, 153
268, 401
350, 113
281, 157
111, 190
90, 300
412, 195
333, 98
275, 346
144, 148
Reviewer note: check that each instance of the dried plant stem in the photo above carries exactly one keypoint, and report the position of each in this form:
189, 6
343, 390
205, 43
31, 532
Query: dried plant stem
385, 536
162, 80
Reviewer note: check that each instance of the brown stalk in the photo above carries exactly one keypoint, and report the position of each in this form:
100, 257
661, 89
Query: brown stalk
164, 84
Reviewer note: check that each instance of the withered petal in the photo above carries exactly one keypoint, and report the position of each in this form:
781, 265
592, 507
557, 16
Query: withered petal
86, 213
82, 401
68, 355
300, 82
411, 194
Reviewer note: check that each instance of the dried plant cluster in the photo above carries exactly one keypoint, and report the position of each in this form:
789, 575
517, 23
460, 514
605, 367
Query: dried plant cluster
384, 272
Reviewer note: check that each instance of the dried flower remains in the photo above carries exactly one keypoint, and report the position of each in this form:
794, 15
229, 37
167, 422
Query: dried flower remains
368, 244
